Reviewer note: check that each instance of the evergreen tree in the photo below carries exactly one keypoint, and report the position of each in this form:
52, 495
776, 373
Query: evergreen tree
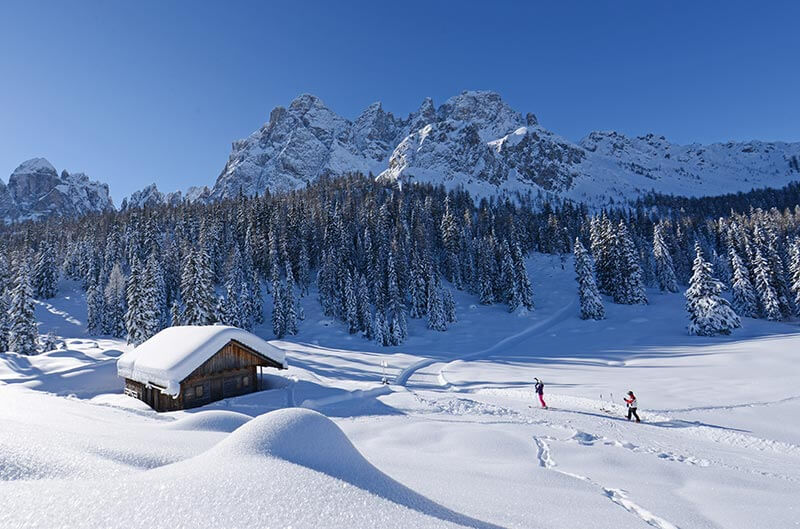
744, 296
395, 305
115, 303
364, 309
45, 273
770, 306
290, 303
50, 342
665, 270
629, 288
351, 305
197, 289
139, 302
175, 314
95, 310
437, 319
523, 288
23, 333
449, 306
709, 313
380, 329
5, 324
591, 303
278, 307
794, 271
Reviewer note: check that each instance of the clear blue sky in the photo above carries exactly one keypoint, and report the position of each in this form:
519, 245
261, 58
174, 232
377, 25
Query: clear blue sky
155, 91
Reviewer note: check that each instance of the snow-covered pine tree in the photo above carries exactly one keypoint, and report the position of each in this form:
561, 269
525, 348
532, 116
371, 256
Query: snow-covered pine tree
364, 308
115, 295
395, 305
139, 300
228, 308
744, 297
197, 289
709, 313
290, 303
419, 296
23, 334
5, 273
351, 305
236, 310
449, 306
591, 303
437, 319
278, 307
175, 314
44, 279
95, 310
604, 248
156, 286
665, 270
50, 342
5, 324
523, 289
508, 280
794, 272
770, 305
451, 245
629, 288
257, 302
380, 329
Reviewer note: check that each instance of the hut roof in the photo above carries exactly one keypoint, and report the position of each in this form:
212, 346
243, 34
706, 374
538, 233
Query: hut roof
173, 354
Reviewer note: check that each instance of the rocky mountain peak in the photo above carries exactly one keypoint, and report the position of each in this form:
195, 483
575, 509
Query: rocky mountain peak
35, 190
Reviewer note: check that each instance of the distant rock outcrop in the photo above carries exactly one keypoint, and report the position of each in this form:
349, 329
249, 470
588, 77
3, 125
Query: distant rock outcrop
35, 191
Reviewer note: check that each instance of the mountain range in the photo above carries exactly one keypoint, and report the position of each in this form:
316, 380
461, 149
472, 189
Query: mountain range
475, 140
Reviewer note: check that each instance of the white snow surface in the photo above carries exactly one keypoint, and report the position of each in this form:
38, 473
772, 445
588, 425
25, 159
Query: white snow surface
174, 353
456, 440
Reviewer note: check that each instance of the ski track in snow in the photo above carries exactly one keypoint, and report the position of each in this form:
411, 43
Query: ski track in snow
618, 496
57, 312
407, 373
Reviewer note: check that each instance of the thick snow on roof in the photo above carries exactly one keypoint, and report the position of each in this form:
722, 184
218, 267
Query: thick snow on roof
171, 355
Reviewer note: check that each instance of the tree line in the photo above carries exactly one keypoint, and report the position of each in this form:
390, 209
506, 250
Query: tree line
375, 256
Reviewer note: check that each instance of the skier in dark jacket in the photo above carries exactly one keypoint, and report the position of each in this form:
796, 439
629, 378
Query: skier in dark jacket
540, 391
632, 406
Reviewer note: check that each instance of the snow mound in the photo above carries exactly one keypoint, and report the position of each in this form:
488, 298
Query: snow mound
211, 421
301, 436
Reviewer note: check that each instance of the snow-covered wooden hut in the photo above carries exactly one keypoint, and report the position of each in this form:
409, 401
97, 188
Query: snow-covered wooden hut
189, 366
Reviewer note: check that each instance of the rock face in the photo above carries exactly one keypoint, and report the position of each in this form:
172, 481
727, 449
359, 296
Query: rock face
477, 140
150, 196
35, 190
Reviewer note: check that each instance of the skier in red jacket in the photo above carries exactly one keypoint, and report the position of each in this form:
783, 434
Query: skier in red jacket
540, 392
632, 406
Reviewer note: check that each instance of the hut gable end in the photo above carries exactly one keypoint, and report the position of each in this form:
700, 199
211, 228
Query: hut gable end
233, 356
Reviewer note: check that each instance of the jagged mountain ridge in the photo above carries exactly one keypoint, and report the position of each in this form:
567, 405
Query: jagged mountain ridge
35, 190
477, 140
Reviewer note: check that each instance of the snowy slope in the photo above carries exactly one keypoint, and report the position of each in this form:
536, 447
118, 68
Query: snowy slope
35, 190
457, 440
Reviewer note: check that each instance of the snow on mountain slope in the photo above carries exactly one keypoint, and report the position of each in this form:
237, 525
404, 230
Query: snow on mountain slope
35, 190
475, 139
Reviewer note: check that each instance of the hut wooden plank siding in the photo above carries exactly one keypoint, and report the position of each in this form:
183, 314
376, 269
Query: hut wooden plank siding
217, 364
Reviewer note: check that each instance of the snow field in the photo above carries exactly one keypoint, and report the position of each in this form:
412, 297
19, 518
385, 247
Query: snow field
458, 440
